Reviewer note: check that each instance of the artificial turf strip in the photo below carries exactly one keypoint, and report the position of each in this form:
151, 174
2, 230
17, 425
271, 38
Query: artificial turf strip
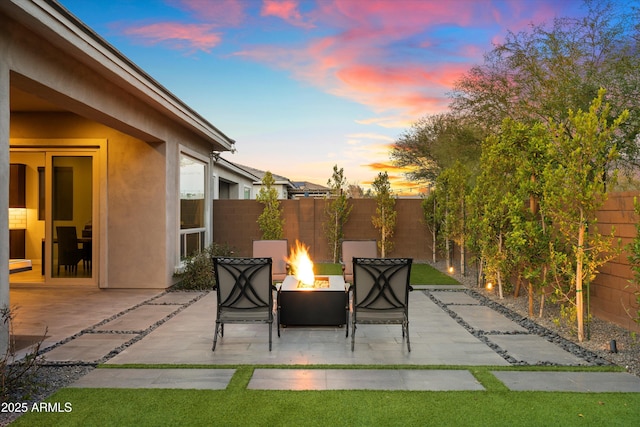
424, 274
241, 407
421, 274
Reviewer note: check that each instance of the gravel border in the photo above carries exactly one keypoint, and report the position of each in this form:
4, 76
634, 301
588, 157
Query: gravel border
596, 349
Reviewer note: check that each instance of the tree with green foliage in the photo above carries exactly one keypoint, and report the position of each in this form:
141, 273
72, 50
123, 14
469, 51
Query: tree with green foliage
385, 218
429, 206
435, 143
574, 189
492, 200
511, 165
337, 210
452, 188
270, 221
634, 261
539, 74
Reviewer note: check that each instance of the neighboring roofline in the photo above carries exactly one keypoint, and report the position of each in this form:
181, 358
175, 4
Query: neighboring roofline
259, 174
96, 51
221, 162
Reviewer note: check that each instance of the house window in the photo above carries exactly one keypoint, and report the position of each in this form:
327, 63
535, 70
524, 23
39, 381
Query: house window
192, 205
247, 193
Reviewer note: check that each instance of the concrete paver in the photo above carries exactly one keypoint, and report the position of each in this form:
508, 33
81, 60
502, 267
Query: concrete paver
202, 379
486, 319
362, 379
139, 319
535, 350
569, 381
449, 297
89, 348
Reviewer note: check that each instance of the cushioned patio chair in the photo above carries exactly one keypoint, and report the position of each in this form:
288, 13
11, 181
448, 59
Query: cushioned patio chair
245, 293
380, 293
356, 249
278, 251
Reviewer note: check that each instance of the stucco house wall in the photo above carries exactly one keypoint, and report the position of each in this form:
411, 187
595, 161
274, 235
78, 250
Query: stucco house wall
91, 92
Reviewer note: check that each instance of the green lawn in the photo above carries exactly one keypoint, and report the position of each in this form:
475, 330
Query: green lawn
421, 274
237, 406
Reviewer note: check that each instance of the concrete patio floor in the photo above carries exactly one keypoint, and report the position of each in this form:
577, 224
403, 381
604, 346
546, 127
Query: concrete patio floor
152, 327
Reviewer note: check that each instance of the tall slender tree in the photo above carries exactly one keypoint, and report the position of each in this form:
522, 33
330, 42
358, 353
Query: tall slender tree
452, 186
385, 218
337, 211
270, 221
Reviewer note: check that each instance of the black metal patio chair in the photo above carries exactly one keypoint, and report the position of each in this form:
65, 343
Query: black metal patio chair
380, 294
245, 293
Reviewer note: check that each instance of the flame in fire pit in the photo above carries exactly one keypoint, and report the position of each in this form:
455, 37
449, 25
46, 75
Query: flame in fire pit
301, 264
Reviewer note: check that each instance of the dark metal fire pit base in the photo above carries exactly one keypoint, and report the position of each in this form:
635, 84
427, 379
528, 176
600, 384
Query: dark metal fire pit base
313, 307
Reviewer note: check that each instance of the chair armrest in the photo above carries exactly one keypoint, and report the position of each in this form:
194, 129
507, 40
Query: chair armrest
343, 265
410, 288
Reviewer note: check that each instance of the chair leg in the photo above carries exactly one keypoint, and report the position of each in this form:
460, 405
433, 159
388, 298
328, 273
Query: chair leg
215, 336
270, 332
353, 332
406, 326
278, 320
346, 327
278, 312
346, 309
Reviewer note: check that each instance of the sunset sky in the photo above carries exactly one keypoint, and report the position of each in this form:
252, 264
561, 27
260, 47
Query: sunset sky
303, 85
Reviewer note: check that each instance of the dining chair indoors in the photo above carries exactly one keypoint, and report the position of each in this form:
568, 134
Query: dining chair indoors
380, 294
245, 293
69, 255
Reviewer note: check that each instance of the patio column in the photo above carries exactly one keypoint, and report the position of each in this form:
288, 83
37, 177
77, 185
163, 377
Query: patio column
4, 201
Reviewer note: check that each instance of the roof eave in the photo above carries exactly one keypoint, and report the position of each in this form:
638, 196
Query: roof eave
51, 20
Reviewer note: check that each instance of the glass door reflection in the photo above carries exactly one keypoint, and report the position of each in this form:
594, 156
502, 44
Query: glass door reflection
71, 245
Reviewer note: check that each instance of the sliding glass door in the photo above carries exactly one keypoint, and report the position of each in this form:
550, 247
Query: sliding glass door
70, 201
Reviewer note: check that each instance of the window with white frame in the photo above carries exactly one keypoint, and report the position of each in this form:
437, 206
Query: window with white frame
192, 205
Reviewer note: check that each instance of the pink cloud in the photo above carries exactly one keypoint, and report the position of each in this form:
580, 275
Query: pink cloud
378, 52
180, 36
357, 62
286, 10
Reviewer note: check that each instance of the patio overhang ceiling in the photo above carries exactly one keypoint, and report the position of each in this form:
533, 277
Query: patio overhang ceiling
51, 21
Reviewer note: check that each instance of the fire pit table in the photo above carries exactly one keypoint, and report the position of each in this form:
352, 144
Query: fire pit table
323, 304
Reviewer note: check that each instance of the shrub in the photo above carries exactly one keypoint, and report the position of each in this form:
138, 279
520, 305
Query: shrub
18, 379
197, 273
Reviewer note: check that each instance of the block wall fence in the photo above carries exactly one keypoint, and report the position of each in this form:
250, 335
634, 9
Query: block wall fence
234, 223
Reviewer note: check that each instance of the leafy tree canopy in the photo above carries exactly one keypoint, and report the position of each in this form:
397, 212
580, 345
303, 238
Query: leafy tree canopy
540, 74
435, 143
